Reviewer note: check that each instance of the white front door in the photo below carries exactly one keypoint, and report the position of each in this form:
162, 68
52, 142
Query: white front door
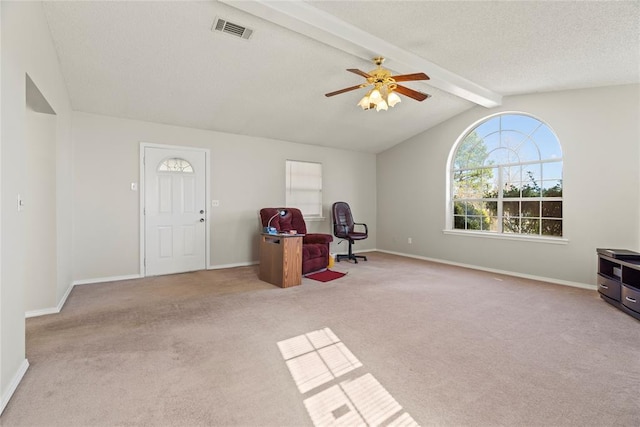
174, 210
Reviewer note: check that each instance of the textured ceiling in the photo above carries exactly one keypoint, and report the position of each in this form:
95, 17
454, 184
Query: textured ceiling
512, 47
159, 62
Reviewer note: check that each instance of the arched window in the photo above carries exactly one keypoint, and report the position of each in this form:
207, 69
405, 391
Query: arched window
175, 165
506, 177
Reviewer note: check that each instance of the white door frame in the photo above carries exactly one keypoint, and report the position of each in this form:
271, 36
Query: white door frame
207, 186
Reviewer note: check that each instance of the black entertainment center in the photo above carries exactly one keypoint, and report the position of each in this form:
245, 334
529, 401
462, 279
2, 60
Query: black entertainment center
619, 279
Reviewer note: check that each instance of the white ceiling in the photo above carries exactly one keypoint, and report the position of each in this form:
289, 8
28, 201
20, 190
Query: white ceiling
160, 62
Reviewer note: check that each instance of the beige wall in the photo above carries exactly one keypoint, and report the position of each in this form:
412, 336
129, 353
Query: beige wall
27, 49
598, 130
246, 174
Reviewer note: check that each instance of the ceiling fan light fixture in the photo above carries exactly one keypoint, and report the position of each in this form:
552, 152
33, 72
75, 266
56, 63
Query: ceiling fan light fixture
393, 99
375, 96
383, 94
382, 105
365, 103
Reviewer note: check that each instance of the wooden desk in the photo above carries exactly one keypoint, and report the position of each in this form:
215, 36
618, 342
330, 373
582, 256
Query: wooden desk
281, 259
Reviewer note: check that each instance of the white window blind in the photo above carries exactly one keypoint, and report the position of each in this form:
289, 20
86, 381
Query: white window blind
304, 187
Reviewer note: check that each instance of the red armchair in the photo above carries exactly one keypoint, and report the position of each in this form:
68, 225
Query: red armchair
315, 246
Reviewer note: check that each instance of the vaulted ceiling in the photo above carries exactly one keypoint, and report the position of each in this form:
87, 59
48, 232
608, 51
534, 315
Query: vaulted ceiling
160, 61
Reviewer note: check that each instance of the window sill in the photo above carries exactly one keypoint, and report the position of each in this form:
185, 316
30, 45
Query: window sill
522, 238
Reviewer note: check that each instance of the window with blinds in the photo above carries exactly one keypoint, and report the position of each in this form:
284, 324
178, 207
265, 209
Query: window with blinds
304, 187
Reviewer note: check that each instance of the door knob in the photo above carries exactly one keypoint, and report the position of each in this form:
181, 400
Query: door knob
201, 211
201, 219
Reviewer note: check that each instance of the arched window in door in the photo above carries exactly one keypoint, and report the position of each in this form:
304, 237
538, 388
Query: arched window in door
175, 164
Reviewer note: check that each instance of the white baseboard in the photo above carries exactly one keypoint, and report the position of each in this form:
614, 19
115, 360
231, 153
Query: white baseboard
51, 310
497, 271
359, 251
106, 279
63, 300
237, 264
13, 385
140, 276
41, 312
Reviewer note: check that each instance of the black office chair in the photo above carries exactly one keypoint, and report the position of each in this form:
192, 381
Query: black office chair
344, 228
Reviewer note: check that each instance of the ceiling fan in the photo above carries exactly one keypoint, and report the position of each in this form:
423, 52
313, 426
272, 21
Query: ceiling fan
385, 87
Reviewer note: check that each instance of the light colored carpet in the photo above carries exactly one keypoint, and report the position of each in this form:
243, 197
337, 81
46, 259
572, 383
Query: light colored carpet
452, 346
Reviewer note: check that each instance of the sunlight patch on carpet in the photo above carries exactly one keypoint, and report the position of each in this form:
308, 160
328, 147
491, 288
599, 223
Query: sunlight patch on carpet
319, 358
309, 371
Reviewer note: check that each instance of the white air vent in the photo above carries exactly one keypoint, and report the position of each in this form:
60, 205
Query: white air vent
225, 26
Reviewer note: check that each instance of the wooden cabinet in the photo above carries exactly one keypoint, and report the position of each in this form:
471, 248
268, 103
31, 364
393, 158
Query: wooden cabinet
619, 279
281, 259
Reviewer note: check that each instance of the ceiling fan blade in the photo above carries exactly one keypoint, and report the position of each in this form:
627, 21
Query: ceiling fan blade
338, 92
408, 77
359, 72
418, 96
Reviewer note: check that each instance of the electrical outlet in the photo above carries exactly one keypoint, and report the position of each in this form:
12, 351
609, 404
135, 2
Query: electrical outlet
409, 240
215, 203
